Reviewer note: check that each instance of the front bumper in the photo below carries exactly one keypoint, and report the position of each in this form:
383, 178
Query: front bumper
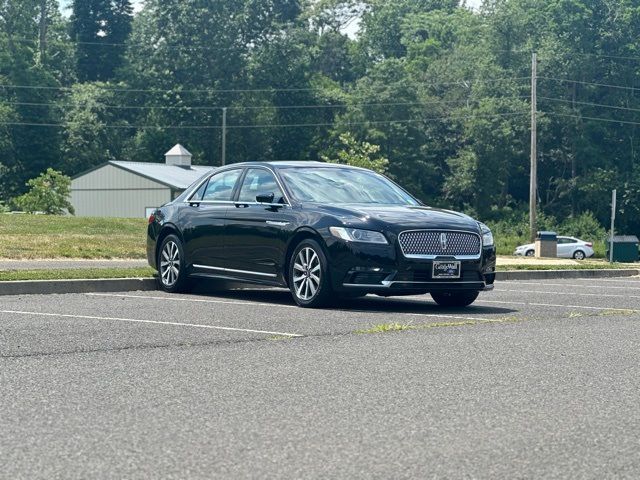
383, 269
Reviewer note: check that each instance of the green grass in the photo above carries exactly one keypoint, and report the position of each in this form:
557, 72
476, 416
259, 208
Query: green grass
43, 236
580, 266
388, 327
71, 274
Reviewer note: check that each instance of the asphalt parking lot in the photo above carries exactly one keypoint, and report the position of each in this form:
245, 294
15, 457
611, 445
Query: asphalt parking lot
537, 379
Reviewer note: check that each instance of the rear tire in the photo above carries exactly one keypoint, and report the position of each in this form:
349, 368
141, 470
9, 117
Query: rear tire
455, 299
172, 266
579, 255
309, 280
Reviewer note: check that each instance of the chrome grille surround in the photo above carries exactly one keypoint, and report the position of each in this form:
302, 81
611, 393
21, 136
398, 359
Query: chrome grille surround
429, 244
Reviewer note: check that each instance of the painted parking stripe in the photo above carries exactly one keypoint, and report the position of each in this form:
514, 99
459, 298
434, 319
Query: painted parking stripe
156, 322
608, 295
534, 304
278, 305
196, 300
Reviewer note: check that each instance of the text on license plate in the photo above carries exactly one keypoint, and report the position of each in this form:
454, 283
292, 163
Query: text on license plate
446, 269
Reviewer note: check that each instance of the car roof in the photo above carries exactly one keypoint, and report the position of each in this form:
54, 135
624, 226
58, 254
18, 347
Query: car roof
292, 164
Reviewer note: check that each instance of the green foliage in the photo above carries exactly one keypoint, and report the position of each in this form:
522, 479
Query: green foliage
441, 89
100, 27
359, 154
49, 193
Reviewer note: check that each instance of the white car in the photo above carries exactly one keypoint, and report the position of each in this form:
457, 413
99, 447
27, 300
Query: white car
568, 247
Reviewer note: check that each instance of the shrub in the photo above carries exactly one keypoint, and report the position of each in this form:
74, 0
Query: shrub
49, 193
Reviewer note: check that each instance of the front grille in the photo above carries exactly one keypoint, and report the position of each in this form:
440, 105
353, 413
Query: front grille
432, 242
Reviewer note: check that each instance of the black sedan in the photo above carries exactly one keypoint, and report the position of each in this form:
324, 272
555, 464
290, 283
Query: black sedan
321, 230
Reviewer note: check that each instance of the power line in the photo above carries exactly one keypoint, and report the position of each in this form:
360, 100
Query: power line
608, 120
272, 107
216, 127
600, 105
568, 80
124, 45
252, 90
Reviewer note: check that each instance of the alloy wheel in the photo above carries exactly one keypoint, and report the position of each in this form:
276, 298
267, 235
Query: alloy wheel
579, 255
307, 274
170, 264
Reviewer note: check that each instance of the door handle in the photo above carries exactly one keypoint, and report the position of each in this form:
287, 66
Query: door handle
242, 205
277, 224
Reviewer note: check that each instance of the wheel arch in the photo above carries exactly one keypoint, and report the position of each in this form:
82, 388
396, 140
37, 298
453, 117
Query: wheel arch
300, 235
166, 230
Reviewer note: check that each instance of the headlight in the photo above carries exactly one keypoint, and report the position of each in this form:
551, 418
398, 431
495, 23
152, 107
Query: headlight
487, 236
356, 235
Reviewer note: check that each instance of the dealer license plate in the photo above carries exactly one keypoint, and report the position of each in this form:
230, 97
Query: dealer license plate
446, 269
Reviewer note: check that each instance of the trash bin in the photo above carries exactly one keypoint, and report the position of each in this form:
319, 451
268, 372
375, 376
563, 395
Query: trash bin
625, 248
547, 244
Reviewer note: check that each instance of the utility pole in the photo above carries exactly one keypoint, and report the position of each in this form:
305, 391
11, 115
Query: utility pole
224, 136
533, 186
614, 198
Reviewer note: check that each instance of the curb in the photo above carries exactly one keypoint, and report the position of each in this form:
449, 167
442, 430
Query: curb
564, 274
45, 287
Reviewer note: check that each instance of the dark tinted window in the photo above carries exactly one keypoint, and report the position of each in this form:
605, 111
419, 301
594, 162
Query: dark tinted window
220, 186
258, 182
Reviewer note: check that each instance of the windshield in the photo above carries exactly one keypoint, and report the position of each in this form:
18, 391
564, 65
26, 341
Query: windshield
343, 185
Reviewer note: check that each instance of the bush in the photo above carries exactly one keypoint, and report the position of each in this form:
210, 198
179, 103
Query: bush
49, 193
514, 230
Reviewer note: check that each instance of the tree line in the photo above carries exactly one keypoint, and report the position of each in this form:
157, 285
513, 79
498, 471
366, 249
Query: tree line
439, 91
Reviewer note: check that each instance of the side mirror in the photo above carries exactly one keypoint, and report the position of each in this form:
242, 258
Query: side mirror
265, 197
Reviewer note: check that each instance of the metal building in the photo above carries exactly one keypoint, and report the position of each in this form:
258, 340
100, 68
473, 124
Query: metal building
133, 189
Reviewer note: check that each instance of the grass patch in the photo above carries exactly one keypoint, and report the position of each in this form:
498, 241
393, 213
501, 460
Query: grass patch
387, 327
616, 313
399, 327
24, 237
74, 274
581, 266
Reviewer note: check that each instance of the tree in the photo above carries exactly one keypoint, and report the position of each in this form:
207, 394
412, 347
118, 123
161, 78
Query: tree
49, 193
100, 28
359, 154
86, 139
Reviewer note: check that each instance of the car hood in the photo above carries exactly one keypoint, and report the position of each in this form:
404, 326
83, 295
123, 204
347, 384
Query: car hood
403, 217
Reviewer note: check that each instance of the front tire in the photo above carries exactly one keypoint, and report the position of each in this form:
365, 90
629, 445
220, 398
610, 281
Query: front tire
530, 253
172, 266
309, 280
455, 299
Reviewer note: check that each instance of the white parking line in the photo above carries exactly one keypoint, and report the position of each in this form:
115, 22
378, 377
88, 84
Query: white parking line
609, 295
576, 285
278, 305
88, 317
533, 304
196, 300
